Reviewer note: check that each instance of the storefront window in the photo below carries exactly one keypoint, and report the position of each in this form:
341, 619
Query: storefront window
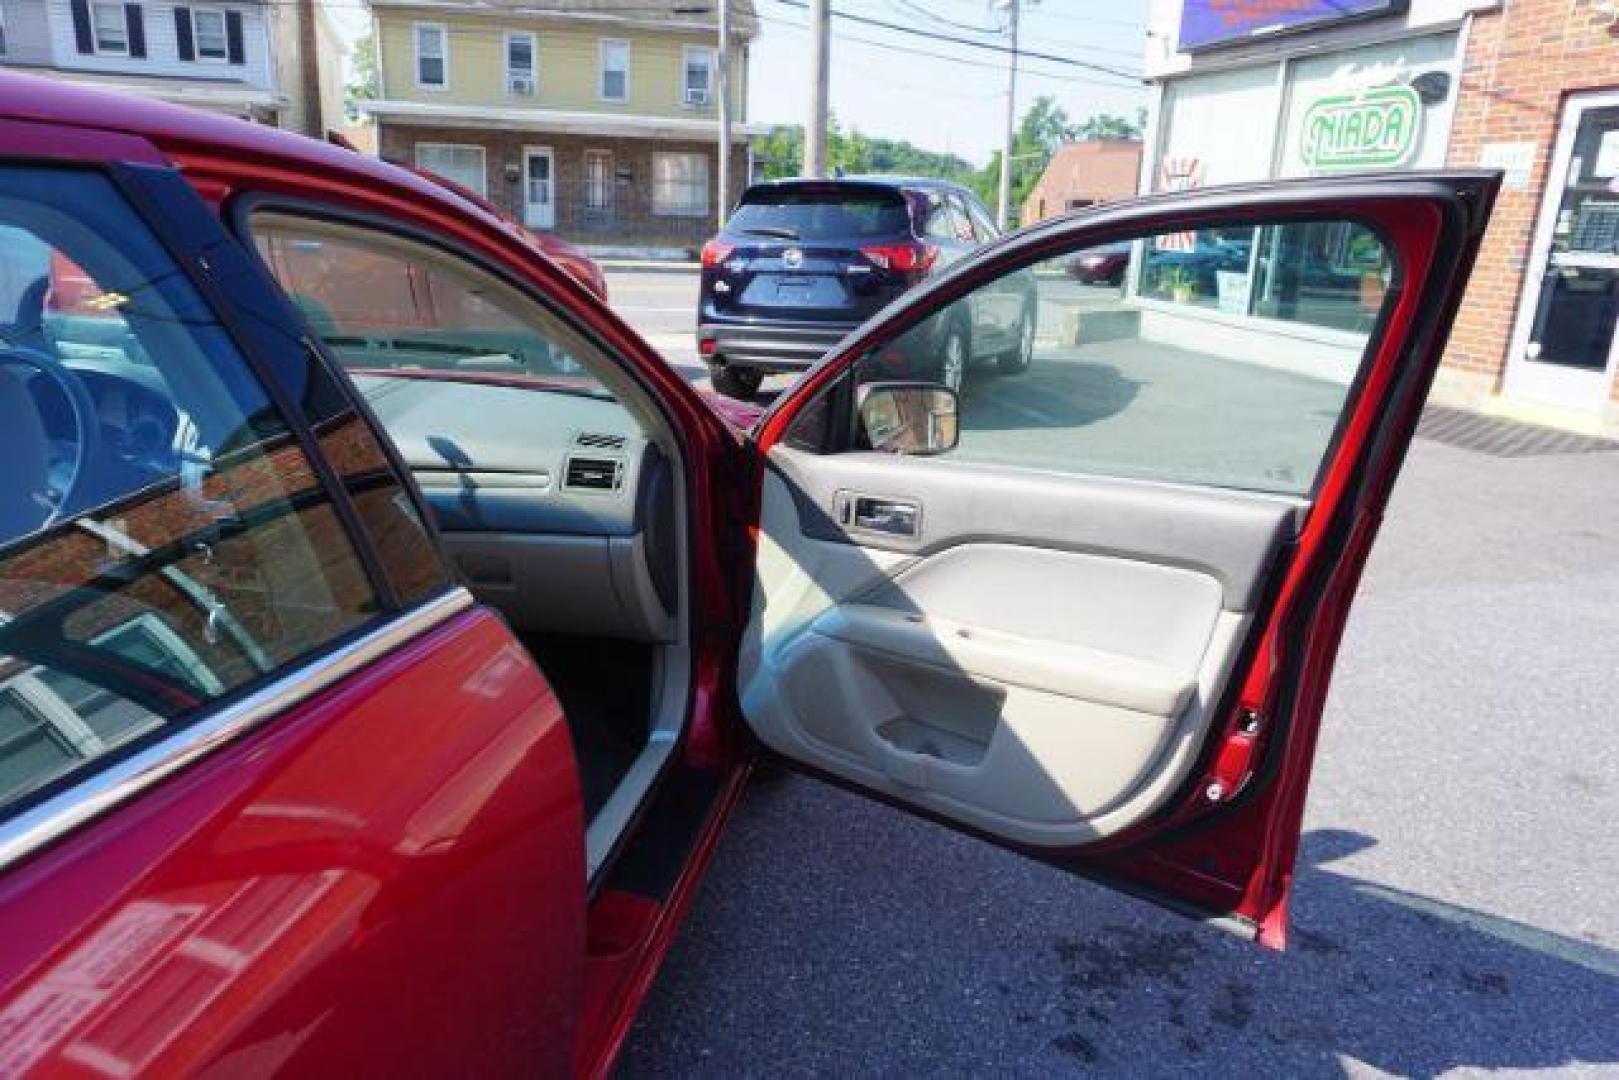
1331, 274
1379, 107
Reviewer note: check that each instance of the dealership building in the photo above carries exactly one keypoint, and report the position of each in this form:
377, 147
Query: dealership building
1263, 89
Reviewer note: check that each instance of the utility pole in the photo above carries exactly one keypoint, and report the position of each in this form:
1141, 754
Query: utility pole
820, 28
724, 188
1003, 212
308, 49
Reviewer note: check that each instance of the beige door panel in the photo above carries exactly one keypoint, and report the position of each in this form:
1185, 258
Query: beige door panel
1050, 697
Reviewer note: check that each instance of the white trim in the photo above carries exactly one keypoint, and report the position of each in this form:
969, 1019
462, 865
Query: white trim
607, 181
482, 187
686, 210
533, 60
1545, 382
123, 21
444, 53
558, 121
550, 155
196, 35
686, 52
602, 46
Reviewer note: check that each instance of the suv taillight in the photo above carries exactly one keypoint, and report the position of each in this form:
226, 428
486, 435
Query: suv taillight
716, 252
902, 257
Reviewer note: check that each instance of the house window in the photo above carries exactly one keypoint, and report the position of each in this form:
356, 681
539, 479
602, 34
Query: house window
680, 185
520, 50
2, 32
462, 164
432, 64
598, 180
111, 28
208, 30
615, 65
698, 79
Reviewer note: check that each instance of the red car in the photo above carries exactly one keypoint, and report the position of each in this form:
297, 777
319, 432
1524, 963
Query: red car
375, 689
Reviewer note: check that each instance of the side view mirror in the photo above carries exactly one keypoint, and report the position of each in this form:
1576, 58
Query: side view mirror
909, 417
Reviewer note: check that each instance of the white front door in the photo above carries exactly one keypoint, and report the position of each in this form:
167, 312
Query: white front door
1562, 350
539, 188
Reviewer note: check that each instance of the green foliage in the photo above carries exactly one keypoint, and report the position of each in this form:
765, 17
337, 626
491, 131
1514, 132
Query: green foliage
1044, 128
781, 154
363, 85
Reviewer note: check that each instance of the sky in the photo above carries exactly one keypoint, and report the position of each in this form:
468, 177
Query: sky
956, 105
954, 100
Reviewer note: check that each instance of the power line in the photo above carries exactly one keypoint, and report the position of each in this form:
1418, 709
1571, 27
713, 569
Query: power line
969, 43
907, 7
912, 50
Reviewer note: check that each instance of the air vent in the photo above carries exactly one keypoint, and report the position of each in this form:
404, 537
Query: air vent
592, 474
597, 440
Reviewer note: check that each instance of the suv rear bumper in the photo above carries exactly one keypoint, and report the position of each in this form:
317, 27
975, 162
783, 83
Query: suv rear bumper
770, 347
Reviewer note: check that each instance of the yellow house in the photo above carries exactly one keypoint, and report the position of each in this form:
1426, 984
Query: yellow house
595, 119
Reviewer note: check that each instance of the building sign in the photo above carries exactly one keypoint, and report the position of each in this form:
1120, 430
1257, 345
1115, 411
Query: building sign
1208, 23
1368, 129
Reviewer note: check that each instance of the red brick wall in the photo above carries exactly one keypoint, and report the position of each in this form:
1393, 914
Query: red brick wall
631, 222
1522, 62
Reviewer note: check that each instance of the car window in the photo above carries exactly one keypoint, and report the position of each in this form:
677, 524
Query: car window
1222, 357
966, 231
164, 541
384, 304
941, 222
820, 212
982, 225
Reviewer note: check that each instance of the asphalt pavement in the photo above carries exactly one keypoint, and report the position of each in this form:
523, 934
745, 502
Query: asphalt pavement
1457, 904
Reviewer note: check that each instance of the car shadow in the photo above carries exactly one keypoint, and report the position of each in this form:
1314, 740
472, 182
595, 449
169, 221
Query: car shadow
1055, 392
873, 924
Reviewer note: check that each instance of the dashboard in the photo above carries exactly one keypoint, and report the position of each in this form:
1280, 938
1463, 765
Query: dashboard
553, 504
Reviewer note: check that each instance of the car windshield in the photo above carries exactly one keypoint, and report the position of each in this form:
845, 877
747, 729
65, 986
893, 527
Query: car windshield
822, 212
395, 308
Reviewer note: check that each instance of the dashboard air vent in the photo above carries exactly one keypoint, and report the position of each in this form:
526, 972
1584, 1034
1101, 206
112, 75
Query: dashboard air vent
597, 440
592, 474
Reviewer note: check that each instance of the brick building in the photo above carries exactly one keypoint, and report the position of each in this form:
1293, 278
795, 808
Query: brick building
1529, 86
1082, 174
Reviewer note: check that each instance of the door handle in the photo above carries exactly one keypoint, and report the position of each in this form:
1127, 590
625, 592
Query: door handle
891, 516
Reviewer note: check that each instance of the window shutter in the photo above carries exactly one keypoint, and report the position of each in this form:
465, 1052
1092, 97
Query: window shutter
135, 21
81, 26
183, 41
233, 37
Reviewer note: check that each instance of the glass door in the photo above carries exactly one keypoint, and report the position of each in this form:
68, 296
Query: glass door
1563, 350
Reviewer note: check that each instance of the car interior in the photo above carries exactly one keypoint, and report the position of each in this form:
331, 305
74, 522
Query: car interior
552, 478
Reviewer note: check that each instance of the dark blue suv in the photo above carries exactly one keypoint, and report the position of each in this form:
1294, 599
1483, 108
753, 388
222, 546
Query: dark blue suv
803, 262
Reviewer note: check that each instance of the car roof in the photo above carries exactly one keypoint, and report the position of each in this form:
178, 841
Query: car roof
884, 180
176, 128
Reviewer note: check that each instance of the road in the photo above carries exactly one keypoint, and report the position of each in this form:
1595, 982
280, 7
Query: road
1456, 908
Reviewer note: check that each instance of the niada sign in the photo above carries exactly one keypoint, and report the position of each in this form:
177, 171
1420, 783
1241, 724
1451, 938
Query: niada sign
1363, 130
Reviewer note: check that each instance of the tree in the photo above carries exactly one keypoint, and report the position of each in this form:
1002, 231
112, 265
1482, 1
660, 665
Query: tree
1043, 129
1108, 126
779, 153
362, 86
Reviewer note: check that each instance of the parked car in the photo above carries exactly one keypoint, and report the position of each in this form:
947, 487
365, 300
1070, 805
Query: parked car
1103, 264
373, 694
800, 263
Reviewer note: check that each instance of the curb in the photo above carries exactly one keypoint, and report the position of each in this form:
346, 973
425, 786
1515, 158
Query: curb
659, 266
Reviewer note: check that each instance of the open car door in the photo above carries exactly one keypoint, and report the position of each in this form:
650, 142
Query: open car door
1089, 608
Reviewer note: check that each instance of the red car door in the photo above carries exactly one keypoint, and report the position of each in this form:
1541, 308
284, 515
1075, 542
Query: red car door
1088, 609
274, 794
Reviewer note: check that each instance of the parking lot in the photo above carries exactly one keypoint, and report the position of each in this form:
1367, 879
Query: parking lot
1455, 909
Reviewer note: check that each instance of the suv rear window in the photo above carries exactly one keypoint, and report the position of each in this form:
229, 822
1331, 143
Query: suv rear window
822, 212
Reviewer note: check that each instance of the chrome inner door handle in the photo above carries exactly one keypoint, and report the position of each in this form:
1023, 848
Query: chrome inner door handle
890, 516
